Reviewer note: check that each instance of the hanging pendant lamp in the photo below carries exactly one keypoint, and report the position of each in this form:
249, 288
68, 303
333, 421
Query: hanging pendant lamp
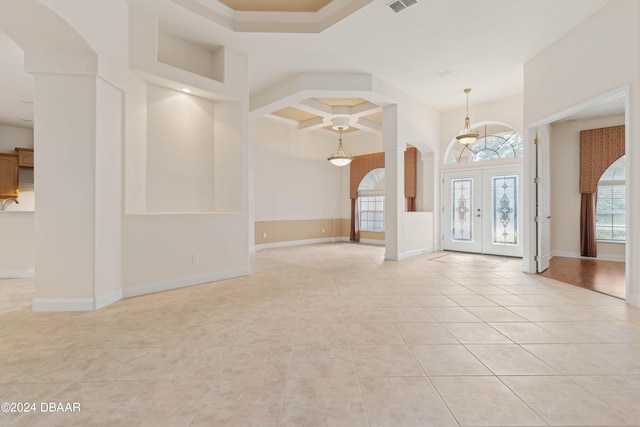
467, 136
340, 158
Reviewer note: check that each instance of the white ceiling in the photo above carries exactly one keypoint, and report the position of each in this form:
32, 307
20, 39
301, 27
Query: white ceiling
484, 44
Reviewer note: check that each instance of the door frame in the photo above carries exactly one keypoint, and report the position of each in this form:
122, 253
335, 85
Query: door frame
479, 170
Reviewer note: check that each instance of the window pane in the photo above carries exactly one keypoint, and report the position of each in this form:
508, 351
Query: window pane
619, 220
619, 234
371, 213
603, 233
610, 212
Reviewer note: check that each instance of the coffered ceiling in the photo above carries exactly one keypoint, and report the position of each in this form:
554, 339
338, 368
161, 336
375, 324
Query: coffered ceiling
351, 114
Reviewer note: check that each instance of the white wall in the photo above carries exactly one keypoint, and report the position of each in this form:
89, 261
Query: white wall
180, 152
159, 250
565, 188
418, 232
13, 136
65, 158
228, 157
508, 111
17, 251
599, 55
294, 180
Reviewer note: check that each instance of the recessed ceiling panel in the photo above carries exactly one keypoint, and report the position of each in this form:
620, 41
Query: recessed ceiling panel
276, 5
294, 114
344, 102
375, 117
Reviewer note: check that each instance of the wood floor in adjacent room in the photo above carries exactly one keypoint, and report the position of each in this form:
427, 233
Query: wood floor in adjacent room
607, 277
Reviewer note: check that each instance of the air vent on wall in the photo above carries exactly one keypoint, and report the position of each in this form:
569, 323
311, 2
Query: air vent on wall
400, 5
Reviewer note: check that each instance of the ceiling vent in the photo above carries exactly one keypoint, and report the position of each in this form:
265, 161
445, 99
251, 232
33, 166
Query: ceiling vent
400, 5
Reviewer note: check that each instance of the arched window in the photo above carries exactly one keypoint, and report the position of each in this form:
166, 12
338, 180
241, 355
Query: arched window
371, 201
611, 206
495, 142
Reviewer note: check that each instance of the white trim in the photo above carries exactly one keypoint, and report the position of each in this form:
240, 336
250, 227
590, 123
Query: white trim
183, 282
413, 253
315, 241
63, 304
633, 299
529, 265
577, 255
108, 299
252, 249
17, 274
623, 91
372, 242
298, 243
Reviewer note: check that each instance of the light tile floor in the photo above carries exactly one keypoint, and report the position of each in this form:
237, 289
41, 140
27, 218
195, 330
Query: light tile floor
332, 335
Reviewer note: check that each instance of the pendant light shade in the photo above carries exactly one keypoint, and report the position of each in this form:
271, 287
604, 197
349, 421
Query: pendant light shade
340, 158
467, 136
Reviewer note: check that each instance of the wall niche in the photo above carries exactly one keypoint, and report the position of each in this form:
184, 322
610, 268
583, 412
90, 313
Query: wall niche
197, 58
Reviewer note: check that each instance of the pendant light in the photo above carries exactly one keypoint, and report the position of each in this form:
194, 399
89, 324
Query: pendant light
467, 136
340, 158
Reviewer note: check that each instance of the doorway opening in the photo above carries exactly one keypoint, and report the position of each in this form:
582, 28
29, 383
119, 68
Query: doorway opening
555, 249
482, 193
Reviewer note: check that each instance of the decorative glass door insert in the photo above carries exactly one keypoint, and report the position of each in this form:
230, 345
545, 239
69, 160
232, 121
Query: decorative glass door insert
462, 209
505, 209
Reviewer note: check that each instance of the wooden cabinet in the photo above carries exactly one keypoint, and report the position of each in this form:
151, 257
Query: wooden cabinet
25, 157
8, 175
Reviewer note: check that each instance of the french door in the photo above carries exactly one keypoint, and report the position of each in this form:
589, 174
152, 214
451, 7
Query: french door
482, 211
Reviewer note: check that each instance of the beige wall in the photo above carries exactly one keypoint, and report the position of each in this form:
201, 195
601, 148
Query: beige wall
565, 190
372, 235
274, 232
291, 230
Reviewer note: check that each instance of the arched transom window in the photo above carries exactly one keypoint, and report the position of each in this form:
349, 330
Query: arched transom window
494, 143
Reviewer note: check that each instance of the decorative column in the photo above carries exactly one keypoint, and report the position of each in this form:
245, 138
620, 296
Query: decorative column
394, 183
78, 192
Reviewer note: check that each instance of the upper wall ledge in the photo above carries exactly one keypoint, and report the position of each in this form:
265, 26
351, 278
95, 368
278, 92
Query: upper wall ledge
210, 71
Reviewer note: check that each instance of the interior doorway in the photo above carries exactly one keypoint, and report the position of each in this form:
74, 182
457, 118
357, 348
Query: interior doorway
558, 167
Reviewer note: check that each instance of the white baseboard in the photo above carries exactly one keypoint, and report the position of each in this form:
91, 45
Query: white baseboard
89, 304
183, 282
577, 255
413, 253
78, 304
63, 304
17, 274
372, 242
298, 243
105, 300
633, 299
